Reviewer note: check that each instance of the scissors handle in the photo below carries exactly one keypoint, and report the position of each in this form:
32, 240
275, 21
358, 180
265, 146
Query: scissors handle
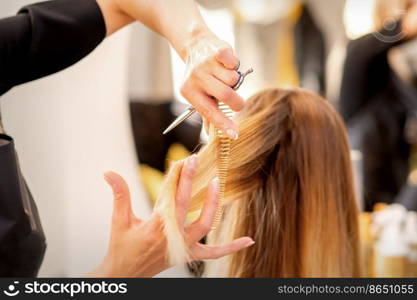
241, 78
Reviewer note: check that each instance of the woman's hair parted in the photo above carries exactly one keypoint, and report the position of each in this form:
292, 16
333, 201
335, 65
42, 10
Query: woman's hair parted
289, 187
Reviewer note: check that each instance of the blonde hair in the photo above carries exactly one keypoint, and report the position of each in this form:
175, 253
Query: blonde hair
289, 187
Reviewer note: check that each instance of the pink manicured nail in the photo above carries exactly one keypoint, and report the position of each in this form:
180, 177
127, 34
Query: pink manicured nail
216, 183
232, 134
192, 162
106, 176
250, 243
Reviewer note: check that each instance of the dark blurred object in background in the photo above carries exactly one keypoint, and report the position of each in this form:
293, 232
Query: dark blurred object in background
148, 123
407, 197
376, 105
310, 53
22, 239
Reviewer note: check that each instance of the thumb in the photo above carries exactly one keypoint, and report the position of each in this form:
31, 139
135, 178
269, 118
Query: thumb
213, 252
227, 58
122, 210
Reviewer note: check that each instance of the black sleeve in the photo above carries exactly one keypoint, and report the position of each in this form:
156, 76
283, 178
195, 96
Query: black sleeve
46, 37
366, 69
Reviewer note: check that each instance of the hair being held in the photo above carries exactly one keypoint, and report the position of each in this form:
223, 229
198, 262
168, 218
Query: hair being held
289, 187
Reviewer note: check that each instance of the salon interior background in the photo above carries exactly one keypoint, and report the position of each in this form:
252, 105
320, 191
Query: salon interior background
72, 126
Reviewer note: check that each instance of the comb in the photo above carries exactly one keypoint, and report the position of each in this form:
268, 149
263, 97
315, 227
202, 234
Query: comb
225, 144
223, 155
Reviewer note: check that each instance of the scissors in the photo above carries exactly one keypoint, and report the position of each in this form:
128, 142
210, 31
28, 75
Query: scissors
191, 110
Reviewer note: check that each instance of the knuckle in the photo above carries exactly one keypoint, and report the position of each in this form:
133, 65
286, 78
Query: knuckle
118, 195
221, 53
227, 57
225, 51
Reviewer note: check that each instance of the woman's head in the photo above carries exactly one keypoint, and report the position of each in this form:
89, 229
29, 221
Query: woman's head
289, 187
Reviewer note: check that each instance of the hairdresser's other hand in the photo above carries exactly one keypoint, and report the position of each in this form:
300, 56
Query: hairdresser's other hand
211, 72
194, 232
137, 248
409, 22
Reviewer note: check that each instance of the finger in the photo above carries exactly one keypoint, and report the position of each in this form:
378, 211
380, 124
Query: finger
122, 210
228, 77
208, 108
228, 59
202, 226
222, 92
201, 251
183, 196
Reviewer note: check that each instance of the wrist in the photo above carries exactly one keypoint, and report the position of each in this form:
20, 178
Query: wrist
196, 37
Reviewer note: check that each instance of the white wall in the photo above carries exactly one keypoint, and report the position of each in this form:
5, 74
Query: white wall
69, 128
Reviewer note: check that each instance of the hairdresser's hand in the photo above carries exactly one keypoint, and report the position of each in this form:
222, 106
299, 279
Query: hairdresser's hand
137, 248
211, 72
211, 63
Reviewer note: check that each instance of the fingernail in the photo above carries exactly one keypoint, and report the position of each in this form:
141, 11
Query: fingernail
192, 161
106, 176
250, 243
232, 134
216, 183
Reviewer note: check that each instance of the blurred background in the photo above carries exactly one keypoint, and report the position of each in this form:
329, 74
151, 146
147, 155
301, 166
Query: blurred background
108, 113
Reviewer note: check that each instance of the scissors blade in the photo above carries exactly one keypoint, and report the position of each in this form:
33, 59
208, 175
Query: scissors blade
182, 117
